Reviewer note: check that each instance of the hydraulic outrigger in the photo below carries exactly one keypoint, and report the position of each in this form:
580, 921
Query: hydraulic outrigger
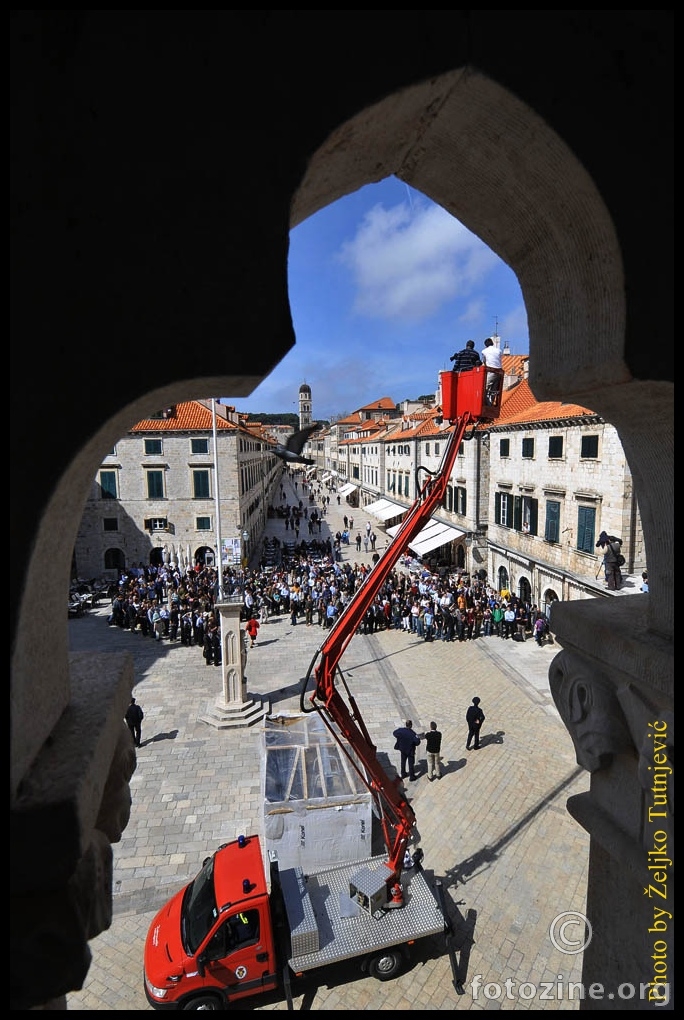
463, 405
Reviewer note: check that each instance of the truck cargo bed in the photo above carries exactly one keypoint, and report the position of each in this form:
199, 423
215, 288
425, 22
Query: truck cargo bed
327, 924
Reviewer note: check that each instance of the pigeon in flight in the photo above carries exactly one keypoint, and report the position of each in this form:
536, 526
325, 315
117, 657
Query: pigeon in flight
291, 452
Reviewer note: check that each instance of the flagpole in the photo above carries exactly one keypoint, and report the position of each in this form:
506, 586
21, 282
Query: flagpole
219, 589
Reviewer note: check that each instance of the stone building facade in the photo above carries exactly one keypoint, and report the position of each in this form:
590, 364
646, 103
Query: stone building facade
555, 483
161, 495
528, 496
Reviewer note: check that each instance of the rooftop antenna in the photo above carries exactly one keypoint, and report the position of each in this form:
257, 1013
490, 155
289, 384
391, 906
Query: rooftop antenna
497, 339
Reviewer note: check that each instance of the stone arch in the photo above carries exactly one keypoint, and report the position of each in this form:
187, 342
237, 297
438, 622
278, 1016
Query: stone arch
156, 557
453, 133
549, 596
205, 554
524, 589
503, 582
114, 559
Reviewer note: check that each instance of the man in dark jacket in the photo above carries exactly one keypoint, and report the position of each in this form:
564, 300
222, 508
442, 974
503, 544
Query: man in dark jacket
407, 741
474, 717
433, 745
467, 358
134, 717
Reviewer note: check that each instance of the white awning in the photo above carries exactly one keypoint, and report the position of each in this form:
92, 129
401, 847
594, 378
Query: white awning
326, 476
345, 489
427, 530
384, 509
422, 534
433, 535
445, 534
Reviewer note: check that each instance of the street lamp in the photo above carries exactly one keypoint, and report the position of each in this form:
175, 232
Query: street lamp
217, 502
245, 540
468, 545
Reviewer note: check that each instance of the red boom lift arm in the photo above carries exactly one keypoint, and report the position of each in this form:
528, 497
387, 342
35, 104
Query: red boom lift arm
343, 717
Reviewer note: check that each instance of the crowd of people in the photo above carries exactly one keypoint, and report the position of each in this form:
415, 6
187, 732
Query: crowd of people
311, 586
427, 606
169, 605
307, 581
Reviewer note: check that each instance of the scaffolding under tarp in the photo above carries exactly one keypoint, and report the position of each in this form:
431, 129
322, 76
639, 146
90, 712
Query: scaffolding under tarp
317, 809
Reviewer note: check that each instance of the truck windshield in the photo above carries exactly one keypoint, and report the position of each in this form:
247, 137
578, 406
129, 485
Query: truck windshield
199, 910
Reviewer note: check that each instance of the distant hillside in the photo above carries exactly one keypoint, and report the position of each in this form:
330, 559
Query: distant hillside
280, 419
275, 419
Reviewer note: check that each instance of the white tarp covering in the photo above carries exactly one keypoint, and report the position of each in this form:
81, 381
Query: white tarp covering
384, 509
434, 534
317, 810
345, 489
433, 541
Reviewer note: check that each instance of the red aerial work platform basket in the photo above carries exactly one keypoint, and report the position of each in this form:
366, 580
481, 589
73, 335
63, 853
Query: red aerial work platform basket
464, 392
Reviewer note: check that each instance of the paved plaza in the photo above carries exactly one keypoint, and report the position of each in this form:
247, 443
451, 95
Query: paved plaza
495, 829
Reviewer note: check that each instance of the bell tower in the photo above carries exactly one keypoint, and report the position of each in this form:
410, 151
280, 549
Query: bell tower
304, 405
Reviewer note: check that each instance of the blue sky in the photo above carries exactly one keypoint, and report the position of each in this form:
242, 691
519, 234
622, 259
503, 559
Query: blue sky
384, 287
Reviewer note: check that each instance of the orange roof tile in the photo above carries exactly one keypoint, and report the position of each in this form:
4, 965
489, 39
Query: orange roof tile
184, 416
515, 364
519, 406
384, 404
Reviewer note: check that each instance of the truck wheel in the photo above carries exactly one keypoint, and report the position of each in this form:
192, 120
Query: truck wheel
205, 1002
386, 965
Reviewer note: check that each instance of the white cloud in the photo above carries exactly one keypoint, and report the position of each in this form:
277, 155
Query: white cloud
513, 329
407, 262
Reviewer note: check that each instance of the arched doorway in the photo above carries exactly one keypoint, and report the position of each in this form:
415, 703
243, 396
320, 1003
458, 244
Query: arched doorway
114, 559
156, 557
548, 598
205, 556
525, 591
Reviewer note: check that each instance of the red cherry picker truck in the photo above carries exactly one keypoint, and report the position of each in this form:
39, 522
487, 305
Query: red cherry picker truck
231, 933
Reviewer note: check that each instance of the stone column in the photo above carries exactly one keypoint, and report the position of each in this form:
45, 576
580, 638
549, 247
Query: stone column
611, 686
233, 707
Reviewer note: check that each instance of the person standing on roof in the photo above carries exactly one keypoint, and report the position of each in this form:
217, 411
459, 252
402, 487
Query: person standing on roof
467, 358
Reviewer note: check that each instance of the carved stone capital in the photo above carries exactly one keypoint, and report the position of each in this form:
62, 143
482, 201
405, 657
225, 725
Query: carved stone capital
586, 699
